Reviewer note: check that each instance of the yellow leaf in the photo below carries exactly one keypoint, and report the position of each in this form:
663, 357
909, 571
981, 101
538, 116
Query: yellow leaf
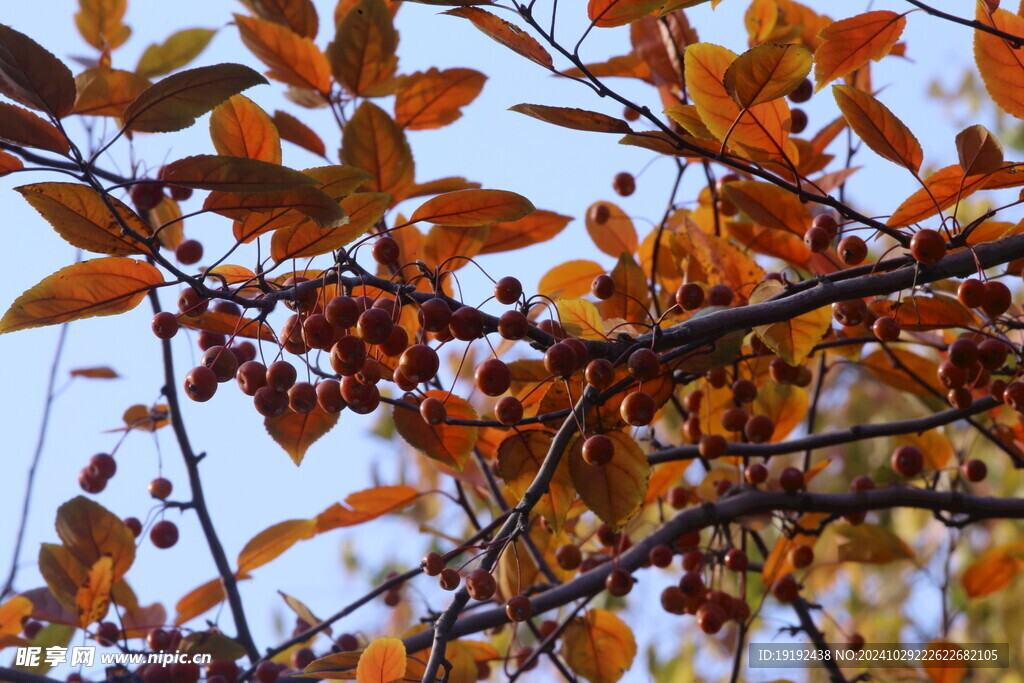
616, 235
373, 142
936, 446
872, 544
769, 205
791, 339
273, 541
383, 661
199, 600
537, 227
103, 91
767, 72
100, 23
448, 444
785, 404
93, 599
993, 570
305, 239
616, 490
599, 646
180, 48
569, 279
469, 208
240, 128
11, 614
580, 318
881, 366
520, 456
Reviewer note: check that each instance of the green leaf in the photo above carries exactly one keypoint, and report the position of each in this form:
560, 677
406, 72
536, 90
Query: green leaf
175, 52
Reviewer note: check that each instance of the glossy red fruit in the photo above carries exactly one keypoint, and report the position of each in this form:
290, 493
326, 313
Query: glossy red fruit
251, 375
992, 353
267, 672
710, 617
997, 299
449, 579
734, 419
433, 564
342, 312
513, 325
374, 326
660, 556
791, 480
160, 488
189, 252
736, 560
908, 461
850, 313
507, 290
317, 332
560, 360
755, 473
672, 600
146, 195
191, 304
362, 399
200, 383
508, 411
134, 525
624, 184
600, 213
759, 428
281, 375
637, 409
720, 295
786, 589
598, 450
492, 377
712, 446
480, 584
419, 363
302, 398
960, 398
467, 324
744, 391
102, 466
599, 373
963, 353
432, 411
618, 582
927, 246
951, 376
801, 556
1013, 395
886, 329
519, 608
690, 296
568, 557
222, 361
862, 483
164, 534
270, 403
643, 364
165, 325
603, 287
328, 396
974, 470
852, 250
828, 222
971, 293
180, 193
817, 239
385, 250
691, 584
90, 483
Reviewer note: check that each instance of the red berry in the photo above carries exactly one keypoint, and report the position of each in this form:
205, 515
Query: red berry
419, 363
759, 428
179, 193
270, 403
342, 312
281, 375
786, 589
712, 446
385, 250
624, 184
963, 353
690, 296
791, 480
507, 290
971, 293
852, 250
637, 409
519, 608
189, 252
603, 287
710, 618
146, 195
493, 377
560, 360
801, 556
886, 329
513, 325
480, 584
102, 466
797, 121
302, 397
164, 534
200, 383
756, 473
660, 556
618, 582
908, 461
251, 375
165, 325
191, 304
467, 324
599, 373
802, 93
720, 295
828, 222
134, 525
997, 299
598, 450
374, 325
222, 361
817, 239
643, 364
568, 557
927, 246
736, 560
974, 470
432, 411
449, 579
508, 411
160, 488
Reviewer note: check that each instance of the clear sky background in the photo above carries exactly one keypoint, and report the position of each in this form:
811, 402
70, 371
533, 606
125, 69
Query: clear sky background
250, 482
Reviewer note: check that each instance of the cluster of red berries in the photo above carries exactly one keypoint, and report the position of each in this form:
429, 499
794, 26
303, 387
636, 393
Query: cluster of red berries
737, 418
967, 368
94, 476
852, 250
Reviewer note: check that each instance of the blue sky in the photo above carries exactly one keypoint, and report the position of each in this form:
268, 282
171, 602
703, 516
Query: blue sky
250, 482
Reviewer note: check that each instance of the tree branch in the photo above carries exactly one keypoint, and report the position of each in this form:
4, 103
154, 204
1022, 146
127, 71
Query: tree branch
1016, 41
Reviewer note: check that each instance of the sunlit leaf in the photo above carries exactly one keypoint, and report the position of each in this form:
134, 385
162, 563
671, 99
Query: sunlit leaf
448, 444
508, 34
296, 432
466, 208
12, 613
879, 364
103, 91
769, 205
792, 339
615, 235
98, 372
879, 128
614, 491
93, 600
576, 119
298, 133
180, 48
946, 187
767, 72
232, 174
778, 562
103, 286
520, 456
935, 312
979, 150
872, 544
580, 318
1000, 64
993, 570
240, 128
90, 531
363, 209
570, 279
851, 43
383, 661
373, 142
198, 601
292, 58
538, 226
434, 98
611, 13
24, 128
298, 15
363, 506
273, 541
362, 54
599, 646
101, 23
949, 672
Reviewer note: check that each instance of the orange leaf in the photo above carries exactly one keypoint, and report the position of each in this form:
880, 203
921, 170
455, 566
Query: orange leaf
581, 319
872, 544
979, 150
599, 646
8, 163
362, 54
298, 133
25, 128
11, 614
176, 101
31, 76
363, 506
199, 600
452, 245
785, 404
508, 34
90, 531
879, 365
769, 205
103, 286
878, 127
79, 215
298, 15
295, 432
777, 563
950, 672
93, 599
228, 324
993, 570
760, 132
625, 66
467, 208
100, 23
383, 661
240, 128
766, 72
611, 13
946, 187
1000, 64
538, 226
851, 43
273, 541
373, 142
232, 174
614, 236
936, 312
364, 209
448, 444
103, 91
723, 262
520, 455
433, 98
292, 58
570, 279
576, 119
616, 490
307, 202
632, 295
99, 372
